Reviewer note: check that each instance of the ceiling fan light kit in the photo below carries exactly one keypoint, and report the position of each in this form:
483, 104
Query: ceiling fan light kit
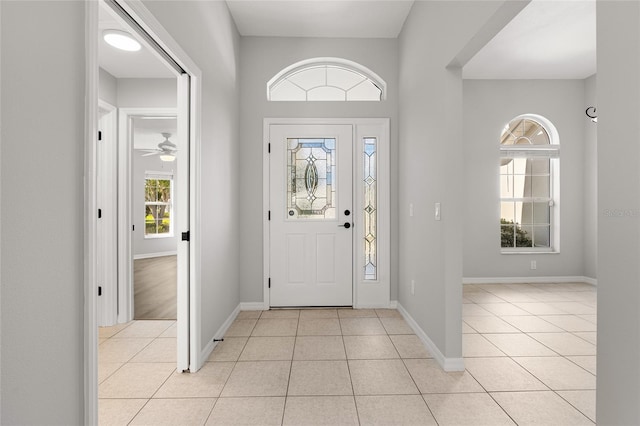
167, 150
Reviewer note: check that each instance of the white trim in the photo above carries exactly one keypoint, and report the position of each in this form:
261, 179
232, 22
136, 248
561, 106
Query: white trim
266, 229
533, 280
254, 306
447, 364
366, 294
107, 226
90, 217
393, 304
152, 255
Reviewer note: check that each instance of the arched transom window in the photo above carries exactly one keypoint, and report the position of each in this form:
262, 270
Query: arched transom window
326, 79
529, 185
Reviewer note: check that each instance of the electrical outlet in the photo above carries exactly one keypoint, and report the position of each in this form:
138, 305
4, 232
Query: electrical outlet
533, 264
413, 287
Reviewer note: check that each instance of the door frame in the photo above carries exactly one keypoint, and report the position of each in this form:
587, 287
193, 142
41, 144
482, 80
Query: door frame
366, 294
189, 97
125, 205
107, 233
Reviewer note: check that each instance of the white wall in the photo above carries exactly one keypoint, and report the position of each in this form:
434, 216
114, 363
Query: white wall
147, 92
144, 247
107, 87
431, 148
488, 106
261, 59
590, 179
618, 94
42, 104
208, 35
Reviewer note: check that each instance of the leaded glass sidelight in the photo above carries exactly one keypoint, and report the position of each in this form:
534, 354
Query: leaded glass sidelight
311, 174
370, 211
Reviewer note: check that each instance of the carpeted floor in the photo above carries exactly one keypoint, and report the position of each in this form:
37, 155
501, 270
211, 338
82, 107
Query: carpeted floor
154, 283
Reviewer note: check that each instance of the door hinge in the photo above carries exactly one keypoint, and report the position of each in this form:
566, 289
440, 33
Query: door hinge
99, 135
99, 290
269, 215
269, 282
269, 148
99, 213
186, 236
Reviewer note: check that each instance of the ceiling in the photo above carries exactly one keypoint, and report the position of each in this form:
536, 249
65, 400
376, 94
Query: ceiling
549, 39
122, 64
147, 131
320, 18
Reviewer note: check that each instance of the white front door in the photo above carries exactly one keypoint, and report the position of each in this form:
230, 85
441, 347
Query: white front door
311, 215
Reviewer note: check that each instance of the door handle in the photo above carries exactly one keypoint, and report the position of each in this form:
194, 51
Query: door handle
346, 225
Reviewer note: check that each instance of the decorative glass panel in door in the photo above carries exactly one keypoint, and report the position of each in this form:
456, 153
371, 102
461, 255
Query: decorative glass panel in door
311, 177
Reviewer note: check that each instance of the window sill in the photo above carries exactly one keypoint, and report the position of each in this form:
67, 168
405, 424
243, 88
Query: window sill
529, 252
157, 236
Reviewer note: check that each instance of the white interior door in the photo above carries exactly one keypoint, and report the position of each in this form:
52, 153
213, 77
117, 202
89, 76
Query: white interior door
311, 205
185, 345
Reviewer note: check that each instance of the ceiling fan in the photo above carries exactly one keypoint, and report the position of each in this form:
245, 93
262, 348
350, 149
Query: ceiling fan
166, 149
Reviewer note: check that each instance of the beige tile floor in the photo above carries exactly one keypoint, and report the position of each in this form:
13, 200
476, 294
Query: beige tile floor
529, 352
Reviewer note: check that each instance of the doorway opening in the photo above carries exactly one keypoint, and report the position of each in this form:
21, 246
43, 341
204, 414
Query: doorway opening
182, 221
154, 191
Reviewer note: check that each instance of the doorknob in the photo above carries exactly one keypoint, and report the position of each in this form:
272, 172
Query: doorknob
346, 225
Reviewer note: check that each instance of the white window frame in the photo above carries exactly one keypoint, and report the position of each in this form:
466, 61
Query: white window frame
551, 151
161, 176
344, 64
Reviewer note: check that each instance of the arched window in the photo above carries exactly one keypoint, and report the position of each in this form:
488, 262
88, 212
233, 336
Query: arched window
529, 185
326, 79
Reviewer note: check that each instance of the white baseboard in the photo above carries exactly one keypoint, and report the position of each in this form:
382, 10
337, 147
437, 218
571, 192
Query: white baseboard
534, 280
374, 306
152, 255
253, 306
447, 364
206, 351
393, 304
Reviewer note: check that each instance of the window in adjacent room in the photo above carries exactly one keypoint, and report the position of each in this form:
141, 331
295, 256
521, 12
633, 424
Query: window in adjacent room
158, 195
529, 185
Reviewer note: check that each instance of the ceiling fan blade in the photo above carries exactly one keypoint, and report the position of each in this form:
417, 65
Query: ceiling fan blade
151, 153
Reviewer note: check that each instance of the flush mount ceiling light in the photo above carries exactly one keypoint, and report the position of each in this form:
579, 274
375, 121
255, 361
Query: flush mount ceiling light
121, 40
